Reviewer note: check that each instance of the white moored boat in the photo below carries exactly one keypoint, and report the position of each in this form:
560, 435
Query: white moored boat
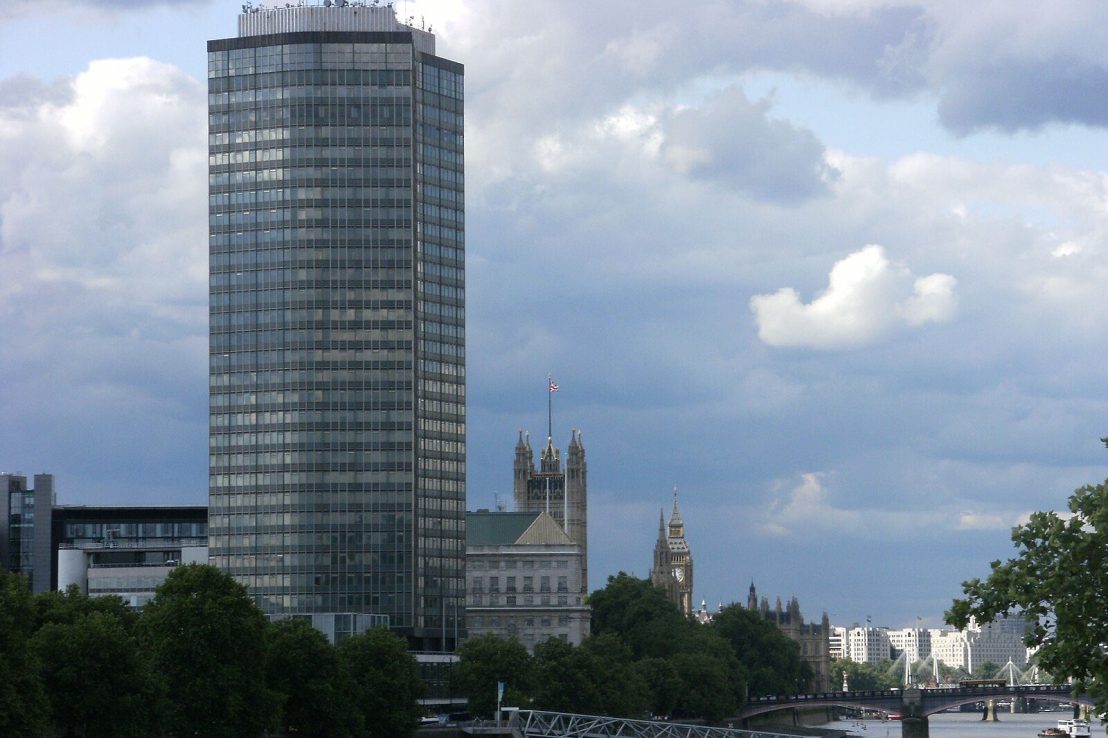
1074, 728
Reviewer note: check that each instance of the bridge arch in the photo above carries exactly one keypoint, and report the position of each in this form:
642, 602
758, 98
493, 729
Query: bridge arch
1041, 696
930, 701
885, 701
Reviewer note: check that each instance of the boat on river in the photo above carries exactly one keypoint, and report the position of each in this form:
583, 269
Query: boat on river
1069, 729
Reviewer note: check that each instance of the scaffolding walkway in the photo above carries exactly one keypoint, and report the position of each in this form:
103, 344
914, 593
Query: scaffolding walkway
539, 724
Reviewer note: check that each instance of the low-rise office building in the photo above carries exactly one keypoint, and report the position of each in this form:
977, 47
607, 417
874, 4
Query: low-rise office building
120, 550
125, 551
524, 578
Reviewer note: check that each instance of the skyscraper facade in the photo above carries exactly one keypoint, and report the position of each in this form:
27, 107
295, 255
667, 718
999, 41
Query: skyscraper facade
337, 329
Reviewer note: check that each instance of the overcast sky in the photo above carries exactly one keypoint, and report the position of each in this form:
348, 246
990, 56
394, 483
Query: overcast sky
835, 268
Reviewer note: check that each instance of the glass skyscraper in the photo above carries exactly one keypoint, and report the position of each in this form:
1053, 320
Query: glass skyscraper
337, 336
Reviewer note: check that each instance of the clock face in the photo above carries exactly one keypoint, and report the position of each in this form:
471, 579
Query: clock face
679, 573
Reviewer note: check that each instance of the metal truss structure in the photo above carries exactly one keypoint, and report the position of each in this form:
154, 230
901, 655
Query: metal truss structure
538, 724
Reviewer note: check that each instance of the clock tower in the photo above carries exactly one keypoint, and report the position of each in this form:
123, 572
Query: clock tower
673, 562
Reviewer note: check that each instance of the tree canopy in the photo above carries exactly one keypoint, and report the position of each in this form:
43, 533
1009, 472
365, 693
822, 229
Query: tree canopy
304, 674
770, 659
202, 623
640, 614
863, 676
482, 663
384, 682
198, 659
99, 681
1058, 581
23, 705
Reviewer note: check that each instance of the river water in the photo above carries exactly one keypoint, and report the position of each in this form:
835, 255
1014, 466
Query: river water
968, 725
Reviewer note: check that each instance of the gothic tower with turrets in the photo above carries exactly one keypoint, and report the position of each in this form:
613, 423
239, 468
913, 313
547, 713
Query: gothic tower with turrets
673, 562
561, 493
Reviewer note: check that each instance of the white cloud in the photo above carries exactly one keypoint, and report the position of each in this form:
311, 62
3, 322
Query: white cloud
104, 187
985, 521
805, 507
866, 298
104, 261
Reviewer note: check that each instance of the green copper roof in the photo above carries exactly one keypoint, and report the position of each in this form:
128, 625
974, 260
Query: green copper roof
484, 528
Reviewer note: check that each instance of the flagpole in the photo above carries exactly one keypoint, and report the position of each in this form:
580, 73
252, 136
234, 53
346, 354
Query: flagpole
549, 405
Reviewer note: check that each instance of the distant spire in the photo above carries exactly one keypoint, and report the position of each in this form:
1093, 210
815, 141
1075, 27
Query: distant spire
661, 524
675, 518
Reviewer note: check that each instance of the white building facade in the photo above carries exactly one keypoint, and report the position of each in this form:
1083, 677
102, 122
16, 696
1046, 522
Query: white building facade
868, 645
525, 579
998, 643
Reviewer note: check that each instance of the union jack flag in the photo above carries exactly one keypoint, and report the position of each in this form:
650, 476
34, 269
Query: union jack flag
553, 385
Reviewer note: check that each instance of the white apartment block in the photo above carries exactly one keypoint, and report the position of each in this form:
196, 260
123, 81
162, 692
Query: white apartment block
996, 642
951, 648
868, 645
837, 642
915, 642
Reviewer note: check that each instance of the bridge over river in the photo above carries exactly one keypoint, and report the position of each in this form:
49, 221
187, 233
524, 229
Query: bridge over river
912, 706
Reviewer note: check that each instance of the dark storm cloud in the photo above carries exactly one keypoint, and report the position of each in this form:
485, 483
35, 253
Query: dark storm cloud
1043, 65
1025, 94
568, 61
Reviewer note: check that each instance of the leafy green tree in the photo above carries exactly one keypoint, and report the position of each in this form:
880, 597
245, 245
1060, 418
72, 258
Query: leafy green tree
618, 688
706, 687
770, 659
383, 683
302, 670
23, 705
67, 607
563, 678
1058, 581
207, 639
97, 678
663, 684
862, 676
597, 678
484, 661
641, 615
